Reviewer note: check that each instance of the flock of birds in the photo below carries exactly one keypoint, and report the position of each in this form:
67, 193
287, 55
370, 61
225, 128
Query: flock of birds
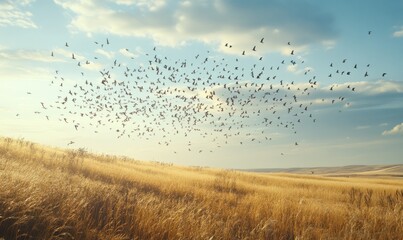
236, 98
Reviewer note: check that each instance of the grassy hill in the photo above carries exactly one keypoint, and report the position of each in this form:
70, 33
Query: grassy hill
384, 171
48, 193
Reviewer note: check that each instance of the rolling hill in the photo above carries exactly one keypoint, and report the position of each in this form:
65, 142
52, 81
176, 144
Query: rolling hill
51, 193
395, 170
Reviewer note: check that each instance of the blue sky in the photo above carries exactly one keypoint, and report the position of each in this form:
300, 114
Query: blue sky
328, 39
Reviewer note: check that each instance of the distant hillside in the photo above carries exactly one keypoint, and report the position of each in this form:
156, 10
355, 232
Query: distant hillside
351, 170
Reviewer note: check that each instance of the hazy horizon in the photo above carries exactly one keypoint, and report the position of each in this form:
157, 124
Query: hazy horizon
353, 113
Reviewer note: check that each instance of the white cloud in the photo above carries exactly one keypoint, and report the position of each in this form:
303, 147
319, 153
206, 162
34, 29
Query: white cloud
24, 2
372, 88
12, 13
398, 129
127, 53
151, 5
362, 127
107, 54
347, 105
398, 33
329, 44
92, 66
292, 68
126, 2
239, 23
68, 54
27, 55
19, 71
366, 95
23, 64
387, 86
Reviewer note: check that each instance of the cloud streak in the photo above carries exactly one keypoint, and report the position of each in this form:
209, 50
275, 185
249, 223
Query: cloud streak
28, 55
25, 64
398, 33
398, 129
12, 13
213, 22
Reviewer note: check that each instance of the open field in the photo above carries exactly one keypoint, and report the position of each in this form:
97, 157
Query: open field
48, 193
384, 171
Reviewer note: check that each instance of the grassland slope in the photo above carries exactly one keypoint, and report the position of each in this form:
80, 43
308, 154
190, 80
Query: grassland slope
395, 170
49, 193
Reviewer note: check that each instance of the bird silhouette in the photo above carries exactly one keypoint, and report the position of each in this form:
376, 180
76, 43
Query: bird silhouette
169, 96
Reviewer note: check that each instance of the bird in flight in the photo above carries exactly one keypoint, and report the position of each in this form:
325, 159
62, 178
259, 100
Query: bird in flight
43, 105
70, 143
108, 99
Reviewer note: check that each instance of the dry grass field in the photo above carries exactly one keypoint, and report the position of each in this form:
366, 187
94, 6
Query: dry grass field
48, 193
382, 171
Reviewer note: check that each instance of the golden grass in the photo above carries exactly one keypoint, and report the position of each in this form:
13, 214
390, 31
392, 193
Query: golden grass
48, 193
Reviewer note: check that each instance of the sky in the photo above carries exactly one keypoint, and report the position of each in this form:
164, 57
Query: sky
341, 61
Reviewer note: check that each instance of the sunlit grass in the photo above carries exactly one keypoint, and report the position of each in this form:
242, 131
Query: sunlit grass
48, 193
